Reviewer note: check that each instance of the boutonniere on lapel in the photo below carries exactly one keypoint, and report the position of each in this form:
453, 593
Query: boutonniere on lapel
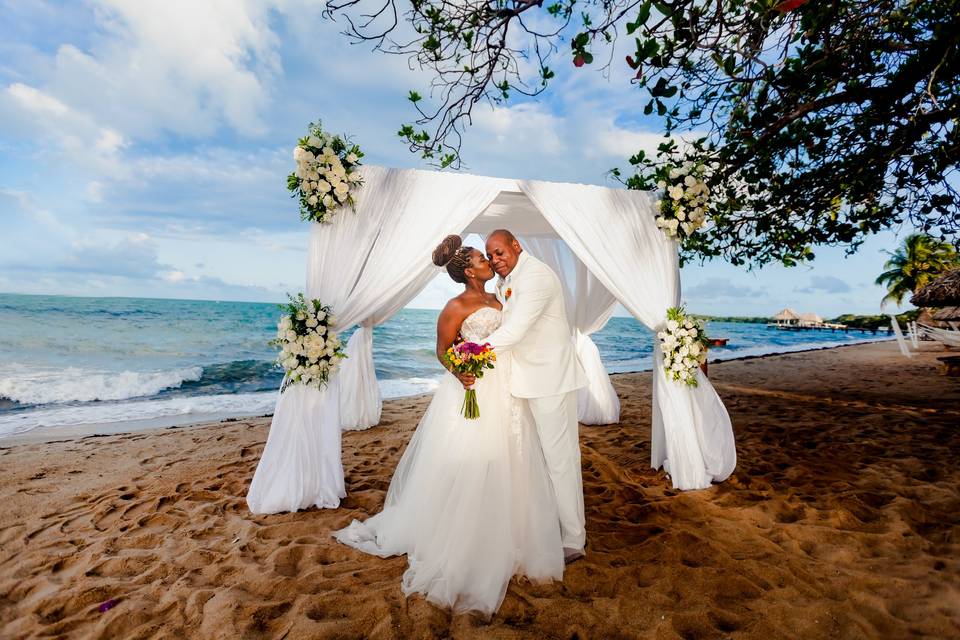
507, 293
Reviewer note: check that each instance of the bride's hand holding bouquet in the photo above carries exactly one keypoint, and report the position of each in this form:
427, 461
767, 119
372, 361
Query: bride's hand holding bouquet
472, 359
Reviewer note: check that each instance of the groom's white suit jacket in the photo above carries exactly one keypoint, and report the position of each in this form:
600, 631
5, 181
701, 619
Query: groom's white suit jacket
536, 331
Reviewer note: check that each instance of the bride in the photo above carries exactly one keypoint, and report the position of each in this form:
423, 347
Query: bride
470, 503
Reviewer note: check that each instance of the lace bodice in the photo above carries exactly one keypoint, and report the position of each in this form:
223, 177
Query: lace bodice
480, 324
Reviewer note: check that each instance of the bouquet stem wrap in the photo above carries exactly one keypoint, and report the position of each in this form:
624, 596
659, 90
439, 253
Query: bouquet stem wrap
472, 358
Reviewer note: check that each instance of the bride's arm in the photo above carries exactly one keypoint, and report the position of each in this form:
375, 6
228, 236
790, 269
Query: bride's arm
448, 326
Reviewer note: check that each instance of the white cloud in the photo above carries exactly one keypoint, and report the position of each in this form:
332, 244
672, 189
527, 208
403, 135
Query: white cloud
37, 101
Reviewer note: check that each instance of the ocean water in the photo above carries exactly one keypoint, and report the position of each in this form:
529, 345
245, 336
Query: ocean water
68, 361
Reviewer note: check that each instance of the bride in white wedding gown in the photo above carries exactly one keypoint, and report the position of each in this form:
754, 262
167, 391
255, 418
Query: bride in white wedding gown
470, 503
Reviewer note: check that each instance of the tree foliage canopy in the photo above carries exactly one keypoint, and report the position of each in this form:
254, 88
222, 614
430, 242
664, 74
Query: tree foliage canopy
819, 121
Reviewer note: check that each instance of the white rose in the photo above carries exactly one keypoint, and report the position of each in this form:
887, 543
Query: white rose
692, 332
328, 151
312, 322
681, 214
674, 223
661, 184
695, 349
672, 325
675, 192
327, 201
674, 174
313, 200
314, 141
352, 158
687, 227
323, 186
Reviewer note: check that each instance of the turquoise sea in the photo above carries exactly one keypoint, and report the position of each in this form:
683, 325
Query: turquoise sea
68, 361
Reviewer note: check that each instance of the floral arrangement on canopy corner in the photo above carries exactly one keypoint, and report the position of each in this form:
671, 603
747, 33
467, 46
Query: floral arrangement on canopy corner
326, 175
683, 208
310, 351
684, 346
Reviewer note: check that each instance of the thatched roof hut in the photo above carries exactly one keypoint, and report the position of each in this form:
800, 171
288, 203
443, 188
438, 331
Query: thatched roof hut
811, 318
942, 292
946, 314
787, 314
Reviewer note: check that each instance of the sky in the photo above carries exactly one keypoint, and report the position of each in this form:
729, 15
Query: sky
144, 148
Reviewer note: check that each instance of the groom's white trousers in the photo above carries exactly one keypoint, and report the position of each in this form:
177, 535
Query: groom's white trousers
556, 419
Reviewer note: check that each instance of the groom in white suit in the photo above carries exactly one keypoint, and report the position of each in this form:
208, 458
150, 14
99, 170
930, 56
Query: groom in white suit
546, 371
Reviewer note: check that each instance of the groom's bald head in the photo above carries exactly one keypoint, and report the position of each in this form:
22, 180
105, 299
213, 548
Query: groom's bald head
503, 251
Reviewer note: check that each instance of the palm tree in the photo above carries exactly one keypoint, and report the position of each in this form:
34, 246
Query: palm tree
920, 260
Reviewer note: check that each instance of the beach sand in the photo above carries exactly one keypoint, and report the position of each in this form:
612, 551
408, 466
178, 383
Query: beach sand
842, 520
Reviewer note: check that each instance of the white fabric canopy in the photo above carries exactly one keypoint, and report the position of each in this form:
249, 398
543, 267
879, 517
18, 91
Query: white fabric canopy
603, 244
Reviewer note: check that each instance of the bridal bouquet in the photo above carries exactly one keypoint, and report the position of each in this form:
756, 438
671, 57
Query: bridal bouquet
684, 346
326, 173
683, 208
473, 358
310, 350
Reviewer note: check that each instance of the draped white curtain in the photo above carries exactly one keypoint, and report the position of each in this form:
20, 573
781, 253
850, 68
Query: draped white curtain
692, 437
589, 307
366, 265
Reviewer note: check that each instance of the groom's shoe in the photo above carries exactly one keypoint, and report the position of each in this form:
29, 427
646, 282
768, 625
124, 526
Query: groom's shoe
572, 555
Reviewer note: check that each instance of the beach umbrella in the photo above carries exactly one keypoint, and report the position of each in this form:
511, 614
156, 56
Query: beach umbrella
942, 292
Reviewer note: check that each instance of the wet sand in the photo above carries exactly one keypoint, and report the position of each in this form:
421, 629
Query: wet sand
842, 520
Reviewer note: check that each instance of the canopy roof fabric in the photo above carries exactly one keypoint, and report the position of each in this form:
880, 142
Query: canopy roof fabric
787, 314
604, 245
942, 292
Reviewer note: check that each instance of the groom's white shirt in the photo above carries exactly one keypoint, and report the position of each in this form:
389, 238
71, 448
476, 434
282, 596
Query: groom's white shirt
536, 331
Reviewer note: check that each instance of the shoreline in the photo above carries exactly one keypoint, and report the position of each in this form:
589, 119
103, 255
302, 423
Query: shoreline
163, 423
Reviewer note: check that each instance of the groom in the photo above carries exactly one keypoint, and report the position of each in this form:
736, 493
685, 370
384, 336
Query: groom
546, 371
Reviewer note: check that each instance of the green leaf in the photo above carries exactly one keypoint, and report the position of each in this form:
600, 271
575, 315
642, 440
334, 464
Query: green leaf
414, 97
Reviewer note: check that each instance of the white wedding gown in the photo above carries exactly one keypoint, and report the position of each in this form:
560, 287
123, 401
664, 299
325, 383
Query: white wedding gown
470, 502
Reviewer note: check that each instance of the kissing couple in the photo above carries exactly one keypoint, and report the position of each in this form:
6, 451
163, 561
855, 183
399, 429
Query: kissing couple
474, 502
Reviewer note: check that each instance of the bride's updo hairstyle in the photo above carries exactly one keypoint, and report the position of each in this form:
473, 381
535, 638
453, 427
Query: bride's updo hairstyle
454, 256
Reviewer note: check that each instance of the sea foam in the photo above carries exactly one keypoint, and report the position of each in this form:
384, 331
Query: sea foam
36, 386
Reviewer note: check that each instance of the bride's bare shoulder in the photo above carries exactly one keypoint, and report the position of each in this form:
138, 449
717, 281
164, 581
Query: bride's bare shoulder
456, 308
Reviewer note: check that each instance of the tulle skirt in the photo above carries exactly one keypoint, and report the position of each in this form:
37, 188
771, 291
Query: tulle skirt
470, 503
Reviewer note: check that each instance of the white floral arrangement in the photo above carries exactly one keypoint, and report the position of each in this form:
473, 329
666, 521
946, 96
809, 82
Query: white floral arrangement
310, 351
326, 175
683, 207
684, 346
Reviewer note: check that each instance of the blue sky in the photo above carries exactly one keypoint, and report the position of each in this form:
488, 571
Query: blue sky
144, 148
